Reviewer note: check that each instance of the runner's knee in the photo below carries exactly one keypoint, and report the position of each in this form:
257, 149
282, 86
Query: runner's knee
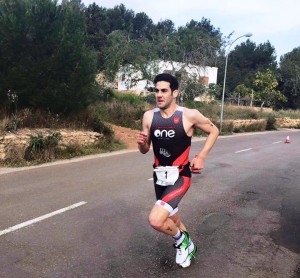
155, 222
159, 214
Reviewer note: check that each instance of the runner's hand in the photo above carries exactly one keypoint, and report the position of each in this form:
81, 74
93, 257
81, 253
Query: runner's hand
142, 138
197, 164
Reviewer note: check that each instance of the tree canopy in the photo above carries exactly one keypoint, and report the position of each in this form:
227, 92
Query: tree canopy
289, 78
44, 60
267, 92
50, 53
197, 42
244, 61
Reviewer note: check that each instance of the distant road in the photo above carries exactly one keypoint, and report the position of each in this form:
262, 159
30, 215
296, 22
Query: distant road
88, 217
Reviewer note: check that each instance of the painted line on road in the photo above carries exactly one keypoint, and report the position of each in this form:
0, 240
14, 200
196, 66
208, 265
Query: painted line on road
43, 217
245, 150
277, 142
151, 179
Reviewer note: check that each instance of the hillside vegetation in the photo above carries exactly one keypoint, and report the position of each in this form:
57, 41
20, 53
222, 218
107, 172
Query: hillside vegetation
114, 109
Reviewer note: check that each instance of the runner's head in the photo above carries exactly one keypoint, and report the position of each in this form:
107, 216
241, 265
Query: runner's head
167, 78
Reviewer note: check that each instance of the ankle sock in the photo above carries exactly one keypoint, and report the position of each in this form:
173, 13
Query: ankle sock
179, 237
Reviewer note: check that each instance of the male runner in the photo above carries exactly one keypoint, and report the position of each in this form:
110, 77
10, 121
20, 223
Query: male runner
170, 128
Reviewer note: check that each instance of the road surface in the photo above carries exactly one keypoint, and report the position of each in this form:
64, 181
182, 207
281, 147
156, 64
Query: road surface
88, 217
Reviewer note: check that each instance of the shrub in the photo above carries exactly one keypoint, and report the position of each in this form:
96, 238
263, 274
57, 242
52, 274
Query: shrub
271, 120
121, 113
105, 93
36, 143
238, 129
100, 127
150, 99
13, 124
227, 127
37, 118
129, 98
255, 126
251, 114
14, 157
70, 151
75, 150
293, 114
240, 112
109, 145
42, 148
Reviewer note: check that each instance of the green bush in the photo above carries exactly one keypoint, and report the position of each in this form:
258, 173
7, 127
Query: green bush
271, 120
150, 98
36, 144
105, 93
75, 150
293, 114
132, 99
100, 127
240, 112
71, 151
42, 148
227, 127
255, 126
123, 113
238, 129
252, 114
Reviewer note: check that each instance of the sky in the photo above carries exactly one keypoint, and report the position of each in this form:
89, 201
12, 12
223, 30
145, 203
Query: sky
275, 21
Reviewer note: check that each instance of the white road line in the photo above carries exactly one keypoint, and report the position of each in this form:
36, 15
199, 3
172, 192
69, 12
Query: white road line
43, 217
277, 142
151, 179
245, 150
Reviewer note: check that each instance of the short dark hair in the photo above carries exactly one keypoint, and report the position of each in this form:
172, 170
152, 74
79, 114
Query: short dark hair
167, 78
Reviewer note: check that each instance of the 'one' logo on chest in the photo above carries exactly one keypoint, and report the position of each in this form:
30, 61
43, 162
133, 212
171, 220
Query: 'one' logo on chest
164, 133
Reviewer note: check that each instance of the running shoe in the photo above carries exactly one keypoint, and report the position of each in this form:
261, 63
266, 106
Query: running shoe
182, 249
192, 252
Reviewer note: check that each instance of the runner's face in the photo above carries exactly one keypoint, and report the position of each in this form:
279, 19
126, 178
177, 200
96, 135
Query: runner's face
163, 95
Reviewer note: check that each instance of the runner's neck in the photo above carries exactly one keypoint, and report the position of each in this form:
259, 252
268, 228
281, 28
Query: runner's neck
167, 113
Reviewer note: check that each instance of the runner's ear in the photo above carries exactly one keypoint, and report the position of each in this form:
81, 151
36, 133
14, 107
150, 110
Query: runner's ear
175, 93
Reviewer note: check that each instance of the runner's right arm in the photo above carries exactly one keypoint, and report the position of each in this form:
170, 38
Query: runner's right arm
143, 138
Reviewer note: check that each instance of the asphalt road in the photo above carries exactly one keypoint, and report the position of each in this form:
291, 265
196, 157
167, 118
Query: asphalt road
88, 217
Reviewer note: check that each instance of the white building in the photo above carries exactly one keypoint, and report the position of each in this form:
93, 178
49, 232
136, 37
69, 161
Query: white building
131, 80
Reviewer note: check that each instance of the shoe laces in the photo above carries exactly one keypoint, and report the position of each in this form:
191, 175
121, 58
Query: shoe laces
180, 246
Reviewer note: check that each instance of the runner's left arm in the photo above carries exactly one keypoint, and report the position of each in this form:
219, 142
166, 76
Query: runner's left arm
211, 130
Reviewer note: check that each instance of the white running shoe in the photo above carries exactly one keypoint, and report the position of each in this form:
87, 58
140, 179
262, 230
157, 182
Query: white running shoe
182, 249
192, 252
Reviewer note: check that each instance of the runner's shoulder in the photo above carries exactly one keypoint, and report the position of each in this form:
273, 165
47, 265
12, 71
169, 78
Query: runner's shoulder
148, 115
191, 113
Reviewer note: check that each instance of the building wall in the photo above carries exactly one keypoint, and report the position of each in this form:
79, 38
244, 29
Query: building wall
126, 76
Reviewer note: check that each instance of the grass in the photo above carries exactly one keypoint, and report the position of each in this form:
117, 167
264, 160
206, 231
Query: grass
16, 157
72, 151
293, 114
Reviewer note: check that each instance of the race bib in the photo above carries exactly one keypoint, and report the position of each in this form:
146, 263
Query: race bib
166, 175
